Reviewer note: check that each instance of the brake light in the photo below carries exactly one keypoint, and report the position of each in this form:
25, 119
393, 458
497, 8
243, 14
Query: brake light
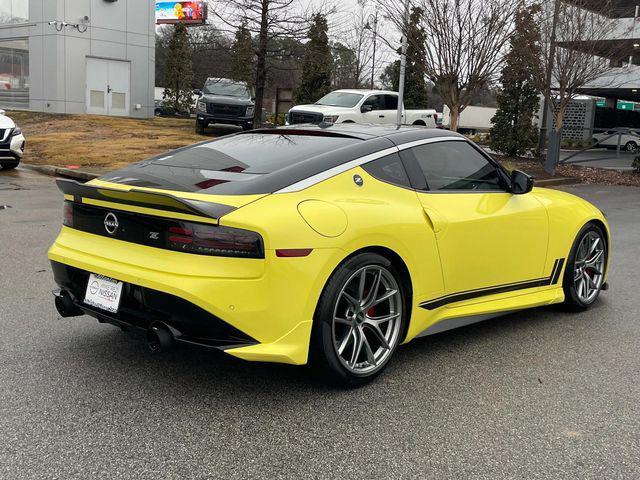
67, 214
214, 240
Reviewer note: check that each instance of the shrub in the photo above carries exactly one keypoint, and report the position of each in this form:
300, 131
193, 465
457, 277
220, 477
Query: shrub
636, 164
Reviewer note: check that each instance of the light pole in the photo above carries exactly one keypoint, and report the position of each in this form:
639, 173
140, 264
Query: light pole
373, 19
403, 63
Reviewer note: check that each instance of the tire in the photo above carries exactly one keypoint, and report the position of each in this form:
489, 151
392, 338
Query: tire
246, 128
199, 128
8, 166
582, 285
419, 123
352, 342
631, 146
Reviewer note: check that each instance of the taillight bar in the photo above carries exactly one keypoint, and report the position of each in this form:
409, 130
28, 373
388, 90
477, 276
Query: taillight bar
170, 234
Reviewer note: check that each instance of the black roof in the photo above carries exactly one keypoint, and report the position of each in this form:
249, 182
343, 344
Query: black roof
266, 160
398, 135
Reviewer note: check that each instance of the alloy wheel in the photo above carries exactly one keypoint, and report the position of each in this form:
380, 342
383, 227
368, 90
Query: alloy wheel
589, 267
367, 319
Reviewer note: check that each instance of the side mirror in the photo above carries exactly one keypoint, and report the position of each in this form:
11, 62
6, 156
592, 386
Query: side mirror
197, 92
521, 182
366, 108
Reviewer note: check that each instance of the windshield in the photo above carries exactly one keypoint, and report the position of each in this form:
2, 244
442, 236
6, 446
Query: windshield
227, 89
340, 99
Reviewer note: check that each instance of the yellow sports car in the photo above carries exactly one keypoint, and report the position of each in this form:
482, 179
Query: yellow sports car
329, 244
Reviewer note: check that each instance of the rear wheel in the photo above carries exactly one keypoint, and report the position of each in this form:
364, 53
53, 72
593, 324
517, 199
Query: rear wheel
584, 275
631, 146
359, 320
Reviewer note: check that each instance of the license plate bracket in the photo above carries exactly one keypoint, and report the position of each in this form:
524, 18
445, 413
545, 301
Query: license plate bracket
103, 293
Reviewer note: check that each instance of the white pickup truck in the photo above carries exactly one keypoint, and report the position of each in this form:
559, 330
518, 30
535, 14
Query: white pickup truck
359, 106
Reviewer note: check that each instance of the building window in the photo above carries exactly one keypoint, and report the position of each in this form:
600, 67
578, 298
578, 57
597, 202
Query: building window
14, 73
14, 11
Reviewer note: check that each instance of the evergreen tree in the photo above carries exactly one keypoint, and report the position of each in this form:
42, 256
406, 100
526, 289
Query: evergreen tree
178, 90
513, 132
415, 86
242, 56
390, 77
317, 65
344, 67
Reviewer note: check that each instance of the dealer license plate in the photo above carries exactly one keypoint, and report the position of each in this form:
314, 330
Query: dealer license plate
103, 292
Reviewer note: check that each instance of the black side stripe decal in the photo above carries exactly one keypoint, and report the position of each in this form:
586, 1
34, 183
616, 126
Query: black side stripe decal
509, 287
556, 276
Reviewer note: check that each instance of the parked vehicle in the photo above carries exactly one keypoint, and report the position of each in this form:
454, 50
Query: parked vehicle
12, 143
472, 120
322, 244
629, 139
226, 102
359, 106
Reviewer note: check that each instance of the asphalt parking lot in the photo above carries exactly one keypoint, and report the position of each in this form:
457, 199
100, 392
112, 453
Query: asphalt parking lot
537, 394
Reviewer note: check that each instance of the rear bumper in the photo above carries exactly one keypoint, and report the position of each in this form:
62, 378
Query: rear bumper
140, 307
256, 297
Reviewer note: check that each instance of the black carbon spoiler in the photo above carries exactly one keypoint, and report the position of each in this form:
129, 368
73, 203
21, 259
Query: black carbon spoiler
141, 198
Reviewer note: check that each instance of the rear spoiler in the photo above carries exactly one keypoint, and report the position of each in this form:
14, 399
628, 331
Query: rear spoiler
141, 198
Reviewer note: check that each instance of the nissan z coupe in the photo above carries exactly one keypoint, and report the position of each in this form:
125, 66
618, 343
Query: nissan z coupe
322, 244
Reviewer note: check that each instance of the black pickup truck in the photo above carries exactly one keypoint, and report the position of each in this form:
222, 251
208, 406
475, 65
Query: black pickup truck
225, 101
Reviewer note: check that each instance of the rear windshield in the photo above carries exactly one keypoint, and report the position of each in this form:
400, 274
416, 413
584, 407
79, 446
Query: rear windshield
254, 153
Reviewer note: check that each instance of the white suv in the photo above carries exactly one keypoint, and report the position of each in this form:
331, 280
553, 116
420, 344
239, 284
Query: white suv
11, 143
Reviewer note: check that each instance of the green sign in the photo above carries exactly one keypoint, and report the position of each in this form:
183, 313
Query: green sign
622, 104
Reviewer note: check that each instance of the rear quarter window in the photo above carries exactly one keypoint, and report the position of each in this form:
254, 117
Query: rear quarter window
389, 169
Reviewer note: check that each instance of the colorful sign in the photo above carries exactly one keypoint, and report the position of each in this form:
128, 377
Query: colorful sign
194, 12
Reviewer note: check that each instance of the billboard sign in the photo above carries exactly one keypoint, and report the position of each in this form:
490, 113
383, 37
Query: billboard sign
193, 12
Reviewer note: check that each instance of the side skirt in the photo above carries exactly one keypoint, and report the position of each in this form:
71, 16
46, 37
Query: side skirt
452, 323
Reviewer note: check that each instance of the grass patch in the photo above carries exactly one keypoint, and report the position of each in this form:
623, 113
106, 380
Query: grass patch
97, 143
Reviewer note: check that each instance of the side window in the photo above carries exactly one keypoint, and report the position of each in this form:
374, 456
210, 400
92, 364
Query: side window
388, 169
456, 165
375, 101
390, 102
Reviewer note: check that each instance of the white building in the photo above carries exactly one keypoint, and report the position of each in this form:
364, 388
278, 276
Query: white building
78, 56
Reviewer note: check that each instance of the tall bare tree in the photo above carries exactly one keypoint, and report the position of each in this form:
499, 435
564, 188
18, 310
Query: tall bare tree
577, 52
267, 21
465, 42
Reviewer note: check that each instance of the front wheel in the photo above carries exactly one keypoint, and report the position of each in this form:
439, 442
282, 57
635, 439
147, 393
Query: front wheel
8, 166
584, 275
199, 127
359, 320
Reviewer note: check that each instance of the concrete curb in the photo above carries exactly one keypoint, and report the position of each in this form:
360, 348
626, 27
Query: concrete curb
557, 181
61, 172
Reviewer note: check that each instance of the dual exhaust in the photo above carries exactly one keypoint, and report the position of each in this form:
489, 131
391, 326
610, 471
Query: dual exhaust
160, 337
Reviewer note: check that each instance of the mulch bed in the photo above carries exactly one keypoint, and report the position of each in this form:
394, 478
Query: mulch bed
588, 175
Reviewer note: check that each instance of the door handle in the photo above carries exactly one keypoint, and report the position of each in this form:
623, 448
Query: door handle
109, 89
380, 116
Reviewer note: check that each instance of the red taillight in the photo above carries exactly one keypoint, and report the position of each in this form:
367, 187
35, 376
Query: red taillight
215, 240
67, 214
